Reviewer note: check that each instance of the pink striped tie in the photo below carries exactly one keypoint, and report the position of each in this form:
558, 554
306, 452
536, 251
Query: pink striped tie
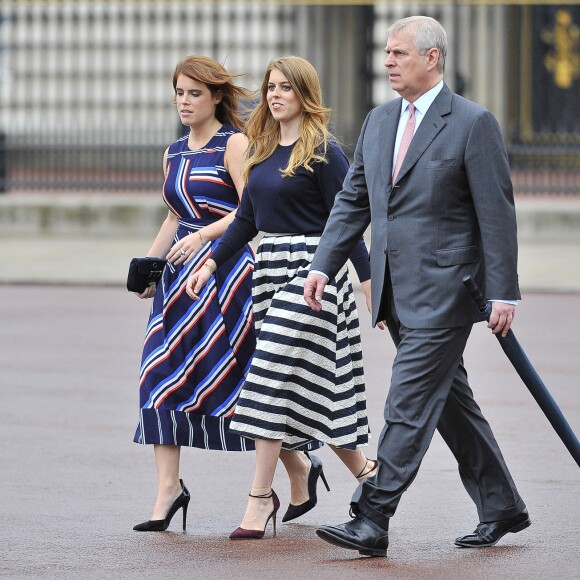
406, 141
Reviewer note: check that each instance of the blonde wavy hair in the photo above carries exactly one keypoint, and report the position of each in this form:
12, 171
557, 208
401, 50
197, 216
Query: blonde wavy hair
263, 130
214, 75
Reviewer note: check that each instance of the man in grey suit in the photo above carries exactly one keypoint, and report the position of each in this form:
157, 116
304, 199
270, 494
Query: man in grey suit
448, 212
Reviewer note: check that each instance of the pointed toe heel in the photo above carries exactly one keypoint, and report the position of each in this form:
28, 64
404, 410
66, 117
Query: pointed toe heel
316, 471
244, 534
182, 502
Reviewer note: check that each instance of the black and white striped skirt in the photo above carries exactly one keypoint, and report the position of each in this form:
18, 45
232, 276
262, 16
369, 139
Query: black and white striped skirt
306, 380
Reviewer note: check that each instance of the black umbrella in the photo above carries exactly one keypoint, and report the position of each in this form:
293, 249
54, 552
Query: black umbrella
531, 379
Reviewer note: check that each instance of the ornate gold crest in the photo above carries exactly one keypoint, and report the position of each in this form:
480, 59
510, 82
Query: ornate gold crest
563, 61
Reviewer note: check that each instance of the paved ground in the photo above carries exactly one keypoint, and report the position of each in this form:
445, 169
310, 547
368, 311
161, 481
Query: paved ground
73, 483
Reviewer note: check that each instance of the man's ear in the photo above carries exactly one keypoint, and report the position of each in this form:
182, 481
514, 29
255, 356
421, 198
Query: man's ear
432, 58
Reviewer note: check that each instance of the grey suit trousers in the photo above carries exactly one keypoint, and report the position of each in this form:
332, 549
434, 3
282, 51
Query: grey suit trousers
429, 390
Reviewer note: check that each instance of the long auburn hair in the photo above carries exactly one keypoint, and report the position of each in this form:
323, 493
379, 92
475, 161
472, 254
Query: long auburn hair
263, 130
212, 74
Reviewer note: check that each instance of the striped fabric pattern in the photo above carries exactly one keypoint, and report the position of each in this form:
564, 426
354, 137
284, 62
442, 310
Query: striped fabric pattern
197, 353
306, 380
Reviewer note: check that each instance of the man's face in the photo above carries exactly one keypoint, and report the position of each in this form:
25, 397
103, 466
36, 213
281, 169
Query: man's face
409, 71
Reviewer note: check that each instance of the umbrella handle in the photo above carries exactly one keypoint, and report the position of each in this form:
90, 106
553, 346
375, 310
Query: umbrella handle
476, 294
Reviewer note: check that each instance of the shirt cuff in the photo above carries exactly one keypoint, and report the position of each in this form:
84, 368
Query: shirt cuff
319, 272
513, 302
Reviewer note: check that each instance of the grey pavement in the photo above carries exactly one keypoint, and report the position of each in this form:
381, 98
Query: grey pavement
73, 483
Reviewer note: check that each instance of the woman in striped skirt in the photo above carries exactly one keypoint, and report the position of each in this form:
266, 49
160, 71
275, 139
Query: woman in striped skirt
305, 383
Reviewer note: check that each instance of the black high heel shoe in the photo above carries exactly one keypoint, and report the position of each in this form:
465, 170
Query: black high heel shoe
295, 511
161, 525
243, 534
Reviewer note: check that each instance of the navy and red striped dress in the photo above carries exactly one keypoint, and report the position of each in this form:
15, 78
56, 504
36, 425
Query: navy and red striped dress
196, 354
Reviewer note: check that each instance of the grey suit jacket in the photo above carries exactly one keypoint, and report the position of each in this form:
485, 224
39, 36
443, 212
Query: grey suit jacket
450, 213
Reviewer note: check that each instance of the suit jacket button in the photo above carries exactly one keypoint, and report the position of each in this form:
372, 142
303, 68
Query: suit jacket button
391, 218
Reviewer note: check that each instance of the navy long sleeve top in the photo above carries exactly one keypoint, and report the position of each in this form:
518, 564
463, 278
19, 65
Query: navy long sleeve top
299, 204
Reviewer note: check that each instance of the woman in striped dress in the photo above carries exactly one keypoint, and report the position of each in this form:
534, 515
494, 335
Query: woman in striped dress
195, 356
306, 380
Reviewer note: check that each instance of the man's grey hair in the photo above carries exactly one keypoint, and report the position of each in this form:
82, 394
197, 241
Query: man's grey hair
428, 34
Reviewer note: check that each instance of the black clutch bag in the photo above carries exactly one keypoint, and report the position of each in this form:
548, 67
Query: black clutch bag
144, 271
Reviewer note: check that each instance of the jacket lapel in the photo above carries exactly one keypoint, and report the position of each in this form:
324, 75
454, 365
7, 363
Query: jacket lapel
429, 128
388, 134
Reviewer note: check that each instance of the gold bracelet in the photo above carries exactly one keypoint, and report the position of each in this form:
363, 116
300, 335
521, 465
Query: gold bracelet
200, 238
208, 266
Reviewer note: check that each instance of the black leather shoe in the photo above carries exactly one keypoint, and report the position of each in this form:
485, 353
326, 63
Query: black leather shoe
489, 533
359, 534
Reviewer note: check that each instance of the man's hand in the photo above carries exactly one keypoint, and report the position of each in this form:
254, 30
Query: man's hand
501, 318
313, 291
